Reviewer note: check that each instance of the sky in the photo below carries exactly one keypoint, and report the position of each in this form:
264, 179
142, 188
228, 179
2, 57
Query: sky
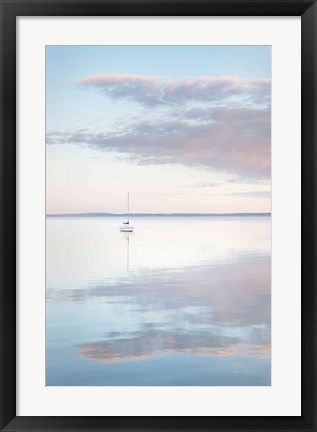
184, 129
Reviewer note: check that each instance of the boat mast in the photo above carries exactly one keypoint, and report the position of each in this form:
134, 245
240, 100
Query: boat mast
128, 208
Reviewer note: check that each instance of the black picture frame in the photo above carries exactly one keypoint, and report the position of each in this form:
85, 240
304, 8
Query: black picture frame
10, 9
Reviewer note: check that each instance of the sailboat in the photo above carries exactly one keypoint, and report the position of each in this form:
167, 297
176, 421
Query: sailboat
126, 227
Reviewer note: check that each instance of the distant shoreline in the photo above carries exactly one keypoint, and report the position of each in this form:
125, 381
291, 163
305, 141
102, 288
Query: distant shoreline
158, 214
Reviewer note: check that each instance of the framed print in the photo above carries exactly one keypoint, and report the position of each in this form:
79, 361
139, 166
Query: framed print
171, 335
158, 215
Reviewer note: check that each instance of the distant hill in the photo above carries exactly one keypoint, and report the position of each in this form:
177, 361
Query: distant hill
156, 214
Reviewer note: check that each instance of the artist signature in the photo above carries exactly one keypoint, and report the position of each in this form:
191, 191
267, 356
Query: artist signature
244, 371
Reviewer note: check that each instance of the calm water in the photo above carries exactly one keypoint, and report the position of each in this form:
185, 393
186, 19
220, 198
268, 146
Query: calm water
180, 301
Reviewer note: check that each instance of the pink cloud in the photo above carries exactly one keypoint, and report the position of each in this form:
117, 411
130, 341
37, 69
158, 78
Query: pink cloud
151, 90
235, 140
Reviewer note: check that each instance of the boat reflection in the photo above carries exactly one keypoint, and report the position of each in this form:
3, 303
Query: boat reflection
126, 236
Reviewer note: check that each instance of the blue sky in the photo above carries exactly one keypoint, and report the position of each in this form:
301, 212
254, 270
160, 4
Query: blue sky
183, 128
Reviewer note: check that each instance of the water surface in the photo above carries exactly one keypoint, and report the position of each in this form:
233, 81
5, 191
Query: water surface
180, 301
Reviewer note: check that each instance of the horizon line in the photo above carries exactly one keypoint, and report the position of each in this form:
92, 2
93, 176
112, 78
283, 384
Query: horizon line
102, 214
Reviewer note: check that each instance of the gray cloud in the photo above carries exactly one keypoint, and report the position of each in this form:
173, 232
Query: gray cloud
257, 194
224, 139
257, 181
203, 185
152, 90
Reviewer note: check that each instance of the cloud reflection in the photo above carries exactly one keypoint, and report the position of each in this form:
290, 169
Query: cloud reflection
207, 310
149, 344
